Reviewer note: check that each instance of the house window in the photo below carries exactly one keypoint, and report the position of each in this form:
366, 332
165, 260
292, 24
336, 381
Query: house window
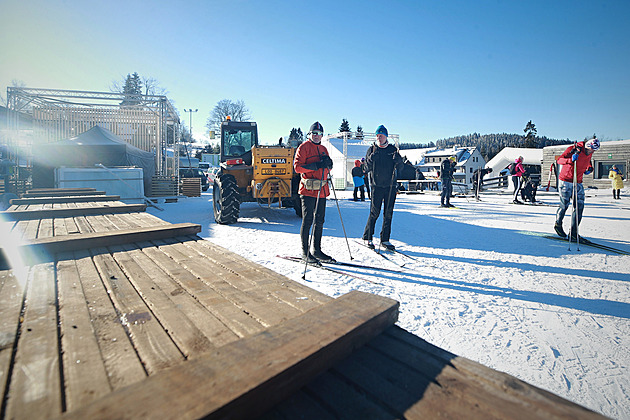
603, 169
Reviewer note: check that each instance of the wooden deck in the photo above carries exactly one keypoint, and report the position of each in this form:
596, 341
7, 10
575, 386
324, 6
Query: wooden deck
123, 315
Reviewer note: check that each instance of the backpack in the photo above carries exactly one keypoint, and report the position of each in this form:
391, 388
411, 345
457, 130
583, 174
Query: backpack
512, 168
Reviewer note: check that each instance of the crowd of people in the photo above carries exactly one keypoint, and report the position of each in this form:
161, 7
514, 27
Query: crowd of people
377, 174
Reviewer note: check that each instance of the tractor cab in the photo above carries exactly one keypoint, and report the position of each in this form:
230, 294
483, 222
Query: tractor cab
237, 140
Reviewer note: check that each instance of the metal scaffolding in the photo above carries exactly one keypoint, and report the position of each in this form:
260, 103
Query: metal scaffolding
148, 122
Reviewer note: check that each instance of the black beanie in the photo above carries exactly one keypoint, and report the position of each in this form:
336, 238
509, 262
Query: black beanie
316, 126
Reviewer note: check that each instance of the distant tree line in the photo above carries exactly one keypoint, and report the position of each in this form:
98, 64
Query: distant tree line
490, 145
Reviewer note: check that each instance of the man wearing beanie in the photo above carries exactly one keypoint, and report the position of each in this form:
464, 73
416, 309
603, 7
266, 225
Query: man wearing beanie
381, 160
575, 161
313, 164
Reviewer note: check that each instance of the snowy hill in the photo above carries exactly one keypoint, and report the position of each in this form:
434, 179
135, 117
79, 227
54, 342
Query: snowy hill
480, 284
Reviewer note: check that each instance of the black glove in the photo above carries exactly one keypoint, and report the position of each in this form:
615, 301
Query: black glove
325, 162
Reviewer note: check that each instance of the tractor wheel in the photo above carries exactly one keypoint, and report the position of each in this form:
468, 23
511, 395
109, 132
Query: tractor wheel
225, 200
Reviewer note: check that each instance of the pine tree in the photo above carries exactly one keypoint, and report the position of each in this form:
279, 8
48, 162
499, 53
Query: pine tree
530, 135
359, 132
345, 126
132, 89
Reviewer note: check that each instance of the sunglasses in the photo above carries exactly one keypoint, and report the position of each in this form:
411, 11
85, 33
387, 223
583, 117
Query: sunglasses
316, 133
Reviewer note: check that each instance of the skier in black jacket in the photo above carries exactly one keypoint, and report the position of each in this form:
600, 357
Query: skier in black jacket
381, 160
446, 175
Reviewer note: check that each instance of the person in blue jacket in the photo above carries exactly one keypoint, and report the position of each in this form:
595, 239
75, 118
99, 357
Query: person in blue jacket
359, 182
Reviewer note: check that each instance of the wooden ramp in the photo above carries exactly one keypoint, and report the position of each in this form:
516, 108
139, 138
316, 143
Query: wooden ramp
123, 315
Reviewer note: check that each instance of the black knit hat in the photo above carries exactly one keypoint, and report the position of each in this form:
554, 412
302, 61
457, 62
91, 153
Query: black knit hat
316, 126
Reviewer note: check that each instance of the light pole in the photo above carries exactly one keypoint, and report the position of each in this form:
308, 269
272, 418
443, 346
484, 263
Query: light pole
190, 111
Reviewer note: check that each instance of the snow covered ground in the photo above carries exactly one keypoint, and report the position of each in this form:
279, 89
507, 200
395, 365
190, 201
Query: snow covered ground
479, 286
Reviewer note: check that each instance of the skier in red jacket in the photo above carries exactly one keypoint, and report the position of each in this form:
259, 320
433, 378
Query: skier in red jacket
313, 164
578, 156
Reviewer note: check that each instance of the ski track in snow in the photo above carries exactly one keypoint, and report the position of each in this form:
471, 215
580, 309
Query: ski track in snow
478, 286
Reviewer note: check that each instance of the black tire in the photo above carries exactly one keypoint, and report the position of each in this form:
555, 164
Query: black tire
225, 200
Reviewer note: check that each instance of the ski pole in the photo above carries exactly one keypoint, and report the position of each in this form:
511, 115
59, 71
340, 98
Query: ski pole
332, 187
576, 207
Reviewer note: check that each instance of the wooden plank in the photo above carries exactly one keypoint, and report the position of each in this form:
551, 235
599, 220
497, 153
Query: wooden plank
470, 389
85, 377
81, 223
45, 228
70, 212
147, 278
154, 346
11, 298
61, 193
60, 228
63, 200
119, 357
34, 390
103, 239
31, 229
73, 189
270, 283
230, 322
242, 291
263, 275
245, 378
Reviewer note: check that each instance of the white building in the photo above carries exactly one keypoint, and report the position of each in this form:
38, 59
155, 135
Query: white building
344, 149
468, 159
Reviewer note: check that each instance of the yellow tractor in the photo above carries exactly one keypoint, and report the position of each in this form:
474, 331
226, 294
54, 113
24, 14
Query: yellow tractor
252, 173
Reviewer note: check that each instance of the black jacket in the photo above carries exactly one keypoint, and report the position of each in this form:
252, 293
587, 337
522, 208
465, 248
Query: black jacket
380, 162
357, 171
446, 170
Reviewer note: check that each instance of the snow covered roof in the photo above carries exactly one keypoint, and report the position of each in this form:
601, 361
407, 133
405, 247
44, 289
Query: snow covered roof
356, 148
416, 156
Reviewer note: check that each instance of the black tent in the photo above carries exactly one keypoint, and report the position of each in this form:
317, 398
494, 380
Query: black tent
97, 145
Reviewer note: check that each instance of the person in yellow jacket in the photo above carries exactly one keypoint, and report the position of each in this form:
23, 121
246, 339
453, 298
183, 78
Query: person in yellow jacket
617, 181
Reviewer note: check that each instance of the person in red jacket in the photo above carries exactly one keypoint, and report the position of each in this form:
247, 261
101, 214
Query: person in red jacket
577, 156
517, 178
313, 164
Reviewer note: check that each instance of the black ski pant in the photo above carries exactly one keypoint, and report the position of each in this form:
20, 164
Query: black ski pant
447, 191
516, 180
386, 197
357, 189
308, 213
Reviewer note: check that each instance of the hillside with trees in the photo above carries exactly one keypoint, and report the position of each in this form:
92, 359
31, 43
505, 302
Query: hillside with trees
491, 144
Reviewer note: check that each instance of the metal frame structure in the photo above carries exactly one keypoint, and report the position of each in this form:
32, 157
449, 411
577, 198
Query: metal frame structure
148, 122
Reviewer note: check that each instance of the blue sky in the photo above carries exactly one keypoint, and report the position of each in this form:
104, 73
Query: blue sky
425, 69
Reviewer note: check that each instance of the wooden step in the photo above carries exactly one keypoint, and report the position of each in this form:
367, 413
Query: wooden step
54, 200
61, 193
71, 212
104, 239
247, 377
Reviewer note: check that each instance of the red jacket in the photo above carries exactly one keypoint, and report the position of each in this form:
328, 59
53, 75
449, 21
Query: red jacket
583, 163
308, 153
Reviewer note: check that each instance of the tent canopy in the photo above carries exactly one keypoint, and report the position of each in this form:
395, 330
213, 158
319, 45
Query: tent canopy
96, 145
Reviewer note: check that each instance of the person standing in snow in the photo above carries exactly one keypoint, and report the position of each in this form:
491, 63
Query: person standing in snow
447, 168
617, 181
366, 177
313, 164
357, 178
517, 175
577, 156
382, 160
477, 179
